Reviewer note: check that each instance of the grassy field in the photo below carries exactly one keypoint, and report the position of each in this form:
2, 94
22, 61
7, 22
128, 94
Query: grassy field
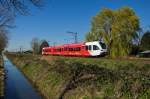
1, 80
101, 61
86, 78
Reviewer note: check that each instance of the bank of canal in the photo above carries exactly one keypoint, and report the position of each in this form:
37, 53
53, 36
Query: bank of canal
16, 85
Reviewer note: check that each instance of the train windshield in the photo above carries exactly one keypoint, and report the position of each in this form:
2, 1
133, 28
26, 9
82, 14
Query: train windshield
102, 45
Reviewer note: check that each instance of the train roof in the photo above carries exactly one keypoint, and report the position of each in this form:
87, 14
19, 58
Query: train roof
74, 44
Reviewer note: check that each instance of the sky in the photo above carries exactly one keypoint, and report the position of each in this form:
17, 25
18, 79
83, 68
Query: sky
59, 16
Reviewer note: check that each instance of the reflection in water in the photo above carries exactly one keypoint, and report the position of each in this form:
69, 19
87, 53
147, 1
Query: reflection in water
16, 85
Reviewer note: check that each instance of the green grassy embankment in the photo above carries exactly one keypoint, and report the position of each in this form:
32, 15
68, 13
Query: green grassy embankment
1, 80
86, 78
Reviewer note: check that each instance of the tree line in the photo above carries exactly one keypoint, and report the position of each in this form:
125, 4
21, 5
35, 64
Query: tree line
119, 30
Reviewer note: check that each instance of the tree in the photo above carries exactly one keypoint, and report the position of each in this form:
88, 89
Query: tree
90, 36
118, 29
43, 44
145, 41
3, 42
3, 39
8, 10
6, 21
20, 6
38, 45
35, 44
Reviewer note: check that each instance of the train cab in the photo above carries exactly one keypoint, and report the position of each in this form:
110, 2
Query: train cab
96, 48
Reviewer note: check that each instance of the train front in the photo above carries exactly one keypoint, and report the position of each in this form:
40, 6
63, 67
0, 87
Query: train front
96, 48
103, 49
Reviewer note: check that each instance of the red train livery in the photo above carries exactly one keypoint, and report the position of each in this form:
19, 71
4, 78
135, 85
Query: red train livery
95, 48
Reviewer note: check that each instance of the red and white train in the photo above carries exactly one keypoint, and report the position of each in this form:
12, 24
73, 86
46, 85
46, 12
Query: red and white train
94, 48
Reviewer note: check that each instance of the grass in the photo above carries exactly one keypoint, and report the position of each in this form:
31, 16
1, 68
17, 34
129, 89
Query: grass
86, 78
103, 62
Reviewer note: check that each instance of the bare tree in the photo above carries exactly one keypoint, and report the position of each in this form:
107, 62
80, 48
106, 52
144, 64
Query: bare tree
3, 39
9, 8
35, 44
20, 6
6, 19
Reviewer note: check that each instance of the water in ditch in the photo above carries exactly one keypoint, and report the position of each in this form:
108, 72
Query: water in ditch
16, 85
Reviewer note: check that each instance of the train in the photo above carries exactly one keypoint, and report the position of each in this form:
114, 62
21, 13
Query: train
87, 49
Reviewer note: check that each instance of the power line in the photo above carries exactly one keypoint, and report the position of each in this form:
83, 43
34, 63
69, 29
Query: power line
75, 34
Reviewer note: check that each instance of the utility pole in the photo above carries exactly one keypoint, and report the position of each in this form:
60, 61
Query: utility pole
21, 49
66, 41
75, 34
53, 43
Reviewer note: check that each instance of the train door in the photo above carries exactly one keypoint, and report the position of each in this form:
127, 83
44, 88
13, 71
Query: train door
84, 51
88, 50
95, 50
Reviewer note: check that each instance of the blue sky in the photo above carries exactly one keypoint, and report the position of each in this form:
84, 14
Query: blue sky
59, 16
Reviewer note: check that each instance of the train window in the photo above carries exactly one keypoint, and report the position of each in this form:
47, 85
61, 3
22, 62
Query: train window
95, 47
59, 50
65, 48
103, 45
71, 49
77, 49
89, 47
74, 49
